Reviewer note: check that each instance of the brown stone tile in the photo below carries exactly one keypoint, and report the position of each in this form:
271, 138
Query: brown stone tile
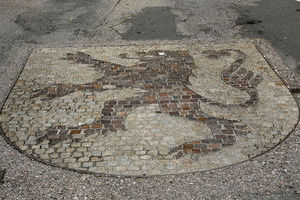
75, 131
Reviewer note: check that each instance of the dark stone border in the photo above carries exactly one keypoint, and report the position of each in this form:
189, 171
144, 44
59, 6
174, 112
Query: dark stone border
273, 58
2, 173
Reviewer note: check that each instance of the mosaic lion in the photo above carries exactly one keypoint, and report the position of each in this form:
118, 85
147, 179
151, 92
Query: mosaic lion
164, 76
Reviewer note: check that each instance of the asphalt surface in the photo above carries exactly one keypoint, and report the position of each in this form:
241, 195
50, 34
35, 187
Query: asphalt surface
277, 21
92, 21
274, 175
153, 23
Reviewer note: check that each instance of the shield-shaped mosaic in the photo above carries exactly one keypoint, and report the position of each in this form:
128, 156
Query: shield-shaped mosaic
148, 110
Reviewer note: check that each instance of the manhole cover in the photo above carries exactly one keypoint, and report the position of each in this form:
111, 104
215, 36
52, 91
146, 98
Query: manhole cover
153, 110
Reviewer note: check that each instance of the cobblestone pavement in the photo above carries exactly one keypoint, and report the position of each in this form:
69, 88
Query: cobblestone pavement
148, 110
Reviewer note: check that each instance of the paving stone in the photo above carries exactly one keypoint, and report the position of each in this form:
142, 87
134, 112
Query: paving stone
77, 154
75, 165
83, 159
70, 160
135, 110
145, 157
95, 159
96, 153
65, 155
87, 164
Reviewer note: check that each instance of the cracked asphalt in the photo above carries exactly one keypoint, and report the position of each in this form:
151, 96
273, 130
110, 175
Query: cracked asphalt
53, 23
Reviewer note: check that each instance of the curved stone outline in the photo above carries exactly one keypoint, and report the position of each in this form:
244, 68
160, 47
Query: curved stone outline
31, 156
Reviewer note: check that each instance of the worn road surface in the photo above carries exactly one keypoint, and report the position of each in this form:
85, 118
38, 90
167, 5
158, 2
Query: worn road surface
60, 23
